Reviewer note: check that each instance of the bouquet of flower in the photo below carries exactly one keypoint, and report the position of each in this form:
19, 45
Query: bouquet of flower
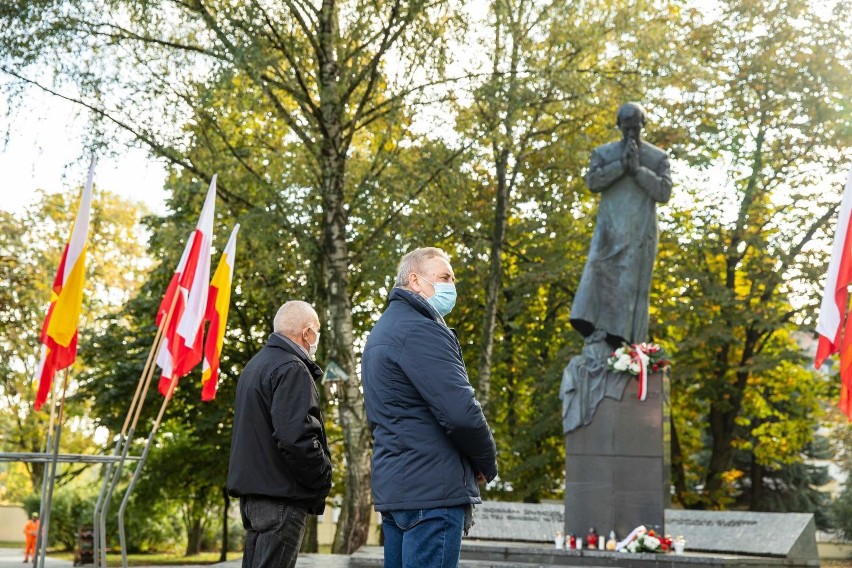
637, 359
630, 358
642, 540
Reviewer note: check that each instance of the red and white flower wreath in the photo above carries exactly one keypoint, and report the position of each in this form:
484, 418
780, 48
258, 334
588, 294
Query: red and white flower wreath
639, 359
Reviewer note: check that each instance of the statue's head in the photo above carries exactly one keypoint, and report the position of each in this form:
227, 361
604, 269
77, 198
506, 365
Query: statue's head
630, 119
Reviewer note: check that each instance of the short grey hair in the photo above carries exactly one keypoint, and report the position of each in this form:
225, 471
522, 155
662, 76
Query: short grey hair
413, 261
293, 317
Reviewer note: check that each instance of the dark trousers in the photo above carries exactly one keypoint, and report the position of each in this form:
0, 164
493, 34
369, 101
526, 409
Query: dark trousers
274, 531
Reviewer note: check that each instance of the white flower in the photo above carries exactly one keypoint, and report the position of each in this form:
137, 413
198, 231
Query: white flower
632, 358
651, 542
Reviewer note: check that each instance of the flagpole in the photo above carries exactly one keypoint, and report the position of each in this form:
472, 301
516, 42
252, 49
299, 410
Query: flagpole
122, 542
192, 288
45, 524
122, 445
96, 539
139, 466
48, 449
59, 340
124, 441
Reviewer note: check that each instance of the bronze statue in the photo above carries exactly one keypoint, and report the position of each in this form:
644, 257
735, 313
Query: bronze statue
611, 304
632, 176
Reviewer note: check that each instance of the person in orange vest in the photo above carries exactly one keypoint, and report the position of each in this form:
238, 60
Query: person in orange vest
31, 533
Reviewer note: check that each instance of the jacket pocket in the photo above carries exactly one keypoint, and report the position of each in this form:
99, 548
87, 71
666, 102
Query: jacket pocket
467, 471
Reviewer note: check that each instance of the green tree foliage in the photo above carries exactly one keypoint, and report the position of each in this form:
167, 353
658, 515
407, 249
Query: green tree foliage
531, 217
745, 246
69, 510
193, 485
157, 528
796, 486
841, 507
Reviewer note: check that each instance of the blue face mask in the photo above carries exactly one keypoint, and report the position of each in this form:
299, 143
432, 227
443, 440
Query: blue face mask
444, 298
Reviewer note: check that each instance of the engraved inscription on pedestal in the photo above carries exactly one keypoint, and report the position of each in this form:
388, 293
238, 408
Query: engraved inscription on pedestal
525, 522
789, 535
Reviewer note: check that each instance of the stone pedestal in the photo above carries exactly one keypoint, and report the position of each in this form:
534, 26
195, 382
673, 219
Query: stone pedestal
617, 468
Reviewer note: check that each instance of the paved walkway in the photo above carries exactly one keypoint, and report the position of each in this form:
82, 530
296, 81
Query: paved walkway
304, 561
14, 558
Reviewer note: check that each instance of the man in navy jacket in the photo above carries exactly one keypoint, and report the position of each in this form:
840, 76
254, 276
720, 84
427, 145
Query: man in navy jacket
431, 443
280, 466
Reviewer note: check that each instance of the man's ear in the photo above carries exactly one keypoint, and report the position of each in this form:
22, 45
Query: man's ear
411, 278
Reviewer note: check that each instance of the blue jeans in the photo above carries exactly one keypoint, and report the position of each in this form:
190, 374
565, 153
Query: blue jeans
274, 531
423, 538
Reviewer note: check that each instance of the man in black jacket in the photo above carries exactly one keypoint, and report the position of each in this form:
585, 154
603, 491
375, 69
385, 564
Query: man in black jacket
280, 466
432, 446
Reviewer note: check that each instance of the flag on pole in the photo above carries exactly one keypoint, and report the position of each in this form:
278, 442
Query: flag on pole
218, 301
181, 347
59, 332
834, 325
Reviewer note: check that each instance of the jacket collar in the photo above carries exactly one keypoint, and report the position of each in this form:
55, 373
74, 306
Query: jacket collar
417, 302
281, 342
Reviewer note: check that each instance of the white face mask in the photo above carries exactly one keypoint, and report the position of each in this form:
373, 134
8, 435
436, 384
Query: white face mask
312, 347
444, 298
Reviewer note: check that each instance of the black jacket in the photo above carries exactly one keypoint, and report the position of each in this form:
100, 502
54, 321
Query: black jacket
278, 445
430, 436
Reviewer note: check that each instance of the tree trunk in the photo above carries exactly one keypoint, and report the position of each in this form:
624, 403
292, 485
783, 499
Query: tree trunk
501, 144
509, 345
492, 286
722, 418
677, 472
36, 472
756, 496
226, 504
193, 537
354, 521
722, 430
310, 542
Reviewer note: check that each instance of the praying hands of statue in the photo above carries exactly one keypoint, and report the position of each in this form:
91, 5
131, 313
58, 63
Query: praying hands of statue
630, 158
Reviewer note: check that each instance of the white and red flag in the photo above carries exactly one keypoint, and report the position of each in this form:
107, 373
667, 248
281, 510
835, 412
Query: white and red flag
218, 302
181, 347
59, 332
835, 326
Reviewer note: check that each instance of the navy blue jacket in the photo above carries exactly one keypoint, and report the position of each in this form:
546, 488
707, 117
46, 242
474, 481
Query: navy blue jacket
430, 436
278, 444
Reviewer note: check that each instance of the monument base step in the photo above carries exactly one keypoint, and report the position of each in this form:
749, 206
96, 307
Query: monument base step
478, 554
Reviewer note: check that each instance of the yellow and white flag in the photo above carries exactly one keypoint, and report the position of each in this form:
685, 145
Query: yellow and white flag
218, 302
59, 332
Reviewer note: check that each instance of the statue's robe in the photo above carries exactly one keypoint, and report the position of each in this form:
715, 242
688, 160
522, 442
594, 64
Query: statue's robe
612, 300
613, 294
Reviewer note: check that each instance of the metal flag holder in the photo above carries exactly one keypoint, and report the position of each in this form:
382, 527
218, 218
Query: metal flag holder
114, 463
50, 457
